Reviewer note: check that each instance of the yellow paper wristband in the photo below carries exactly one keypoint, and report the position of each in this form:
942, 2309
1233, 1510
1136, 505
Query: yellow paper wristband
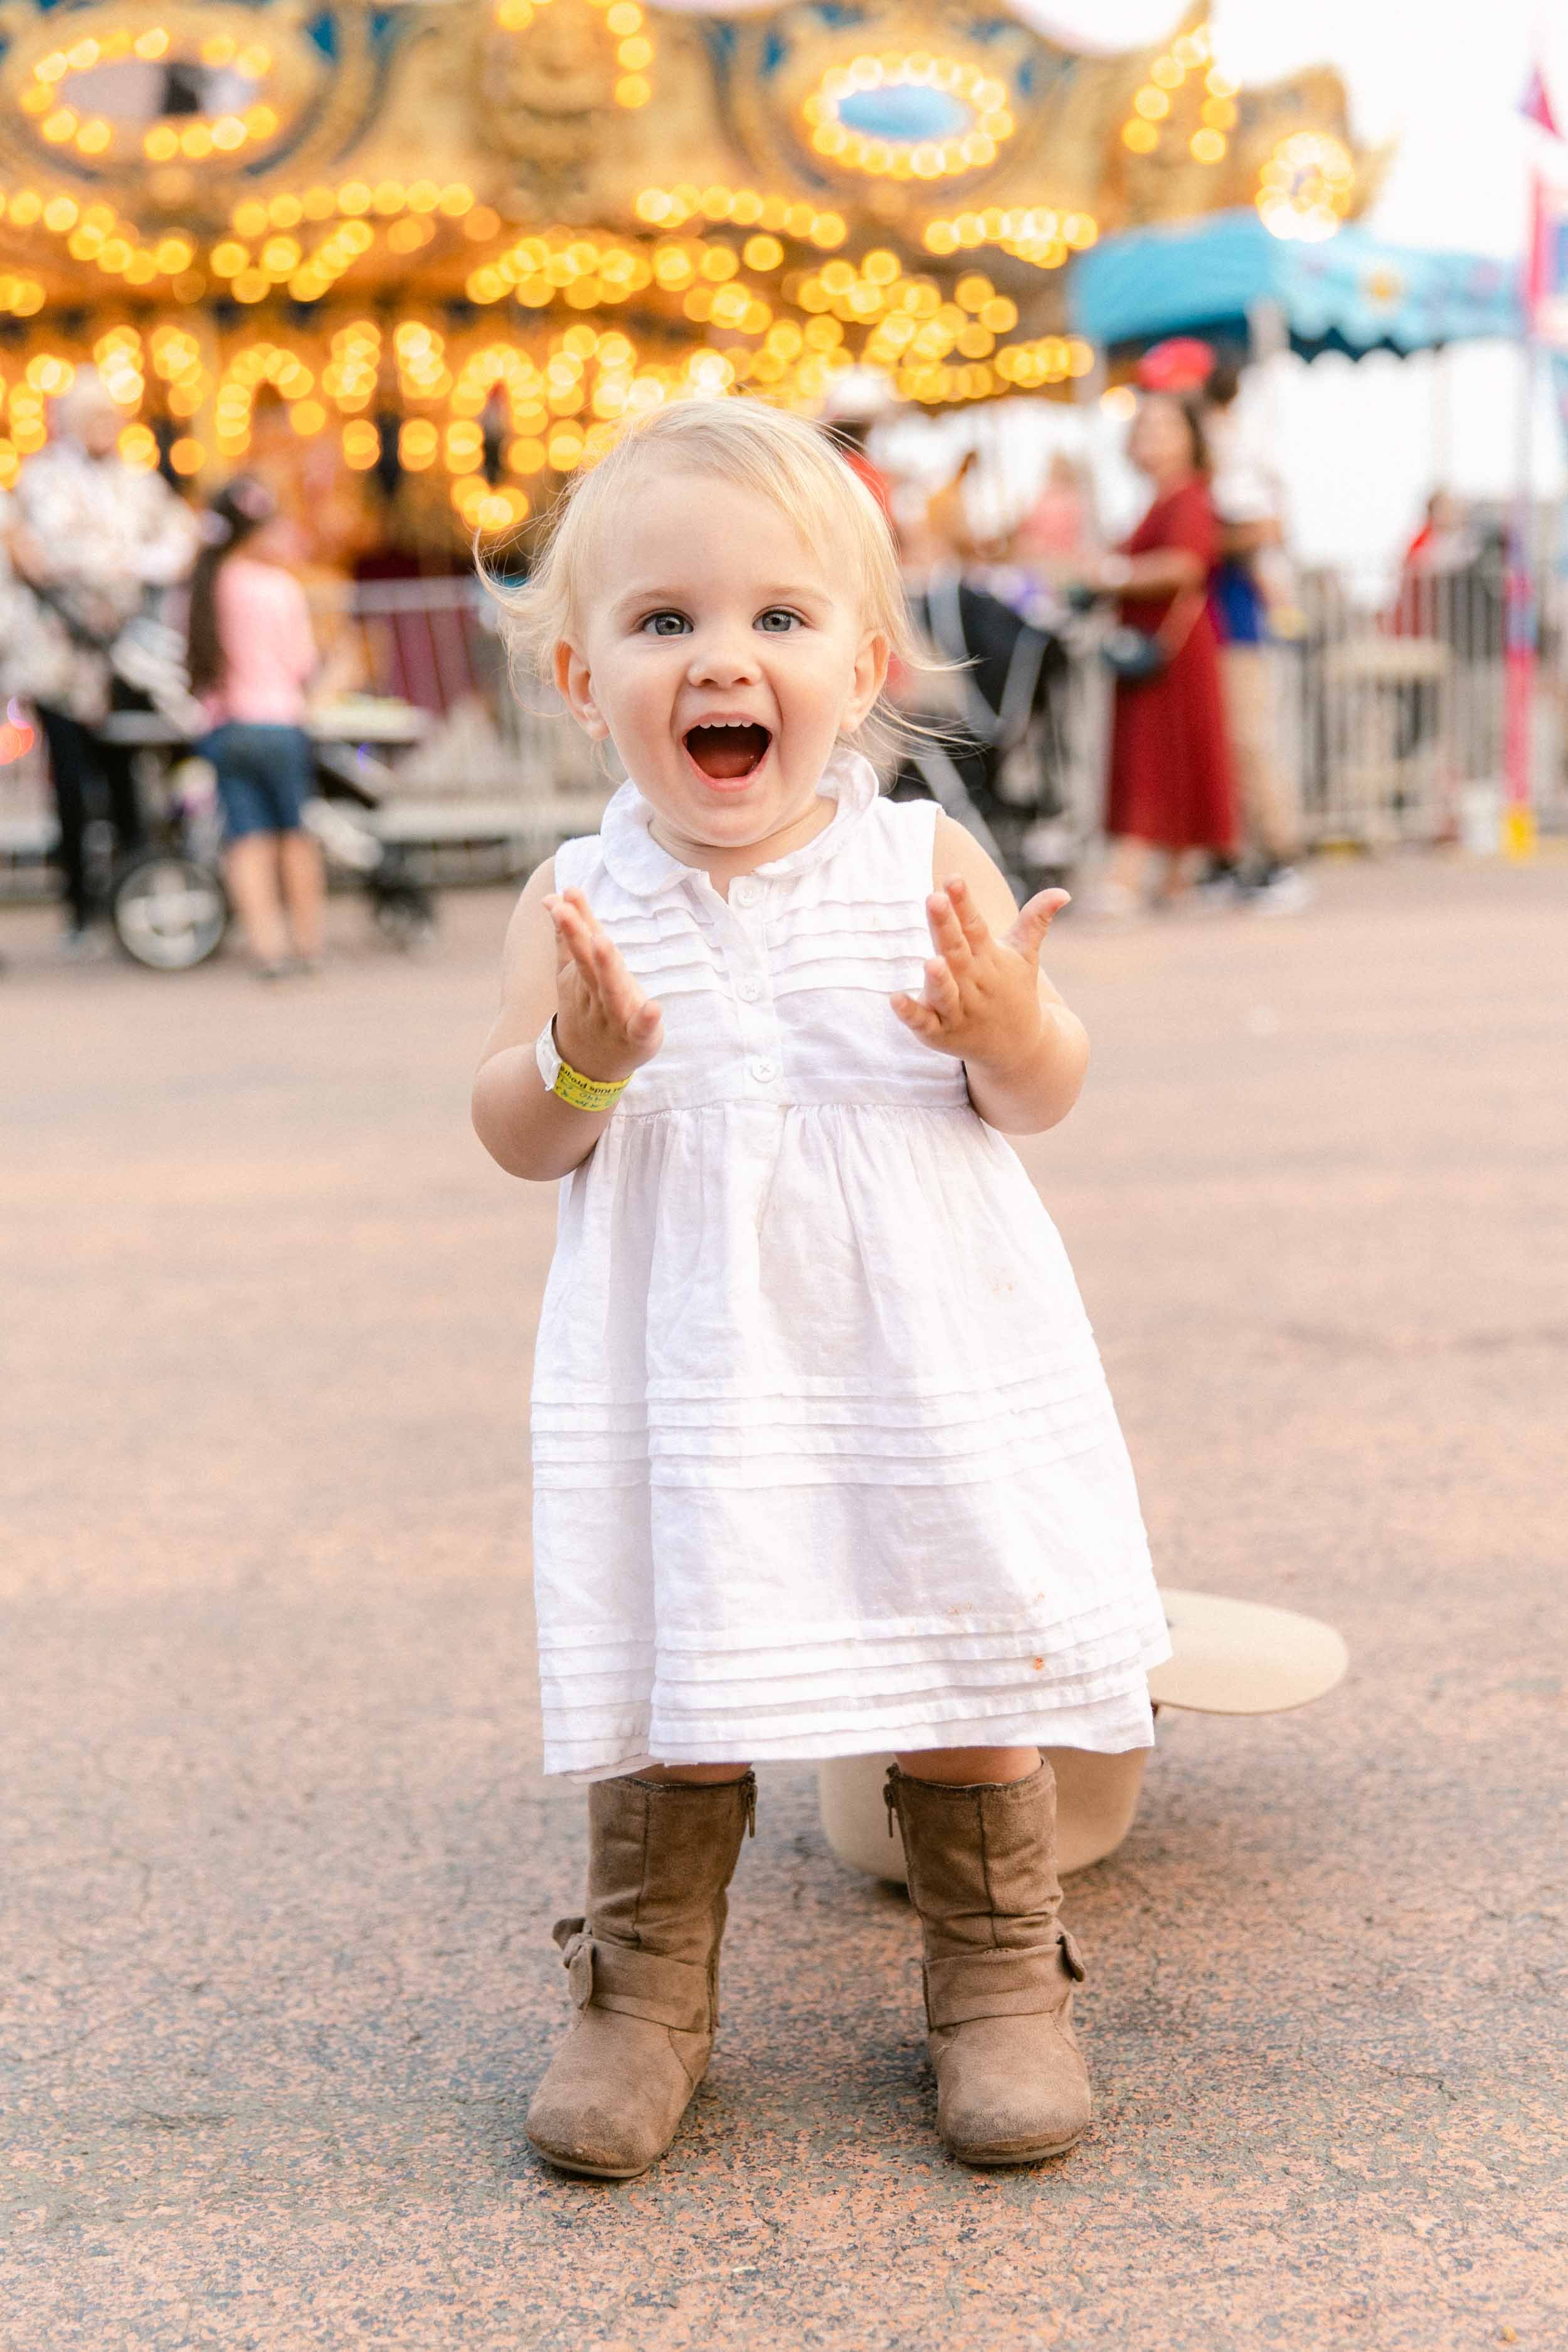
586, 1094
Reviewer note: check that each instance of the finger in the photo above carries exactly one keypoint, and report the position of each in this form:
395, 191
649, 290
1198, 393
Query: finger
946, 931
567, 915
581, 948
942, 991
646, 1024
917, 1016
972, 922
571, 941
1027, 934
622, 997
558, 912
576, 913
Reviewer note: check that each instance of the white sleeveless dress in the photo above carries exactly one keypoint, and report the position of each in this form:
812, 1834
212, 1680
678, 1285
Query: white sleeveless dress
825, 1462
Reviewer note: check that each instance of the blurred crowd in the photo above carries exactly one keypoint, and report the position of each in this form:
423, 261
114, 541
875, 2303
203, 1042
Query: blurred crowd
1196, 803
87, 543
117, 595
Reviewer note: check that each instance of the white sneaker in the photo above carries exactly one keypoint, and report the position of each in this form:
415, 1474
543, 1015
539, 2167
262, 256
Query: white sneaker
1286, 892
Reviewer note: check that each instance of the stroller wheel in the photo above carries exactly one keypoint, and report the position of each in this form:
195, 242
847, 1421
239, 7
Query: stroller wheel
405, 918
168, 913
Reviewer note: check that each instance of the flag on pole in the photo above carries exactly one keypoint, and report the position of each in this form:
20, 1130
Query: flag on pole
1546, 324
1536, 105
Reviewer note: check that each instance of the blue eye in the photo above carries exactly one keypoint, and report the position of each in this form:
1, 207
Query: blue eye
778, 620
666, 625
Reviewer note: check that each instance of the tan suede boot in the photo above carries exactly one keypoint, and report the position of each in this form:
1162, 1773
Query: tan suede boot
999, 1967
642, 1967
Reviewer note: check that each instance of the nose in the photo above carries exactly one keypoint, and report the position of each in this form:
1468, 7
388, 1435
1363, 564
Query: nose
724, 656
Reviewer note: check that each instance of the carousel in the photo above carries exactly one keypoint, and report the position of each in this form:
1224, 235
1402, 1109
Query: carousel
417, 261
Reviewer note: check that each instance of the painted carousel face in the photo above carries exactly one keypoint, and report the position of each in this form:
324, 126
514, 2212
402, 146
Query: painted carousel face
128, 84
888, 96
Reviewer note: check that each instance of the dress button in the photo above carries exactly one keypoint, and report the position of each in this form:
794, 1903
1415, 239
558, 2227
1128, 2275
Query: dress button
745, 892
763, 1071
750, 990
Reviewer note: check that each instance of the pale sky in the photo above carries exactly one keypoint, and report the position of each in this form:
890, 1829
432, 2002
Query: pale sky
1361, 444
1442, 77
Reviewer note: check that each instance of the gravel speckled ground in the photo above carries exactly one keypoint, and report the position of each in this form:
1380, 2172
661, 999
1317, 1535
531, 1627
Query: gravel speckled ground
275, 1977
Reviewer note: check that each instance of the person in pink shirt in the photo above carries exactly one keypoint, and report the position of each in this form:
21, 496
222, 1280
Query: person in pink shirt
252, 654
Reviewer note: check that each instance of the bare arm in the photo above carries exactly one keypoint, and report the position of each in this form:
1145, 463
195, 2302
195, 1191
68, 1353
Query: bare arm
1163, 572
1024, 1051
1242, 539
558, 963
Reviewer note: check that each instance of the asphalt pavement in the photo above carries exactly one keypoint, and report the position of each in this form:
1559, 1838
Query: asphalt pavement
279, 1862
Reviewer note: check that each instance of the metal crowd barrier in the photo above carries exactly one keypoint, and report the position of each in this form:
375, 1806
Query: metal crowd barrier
1388, 712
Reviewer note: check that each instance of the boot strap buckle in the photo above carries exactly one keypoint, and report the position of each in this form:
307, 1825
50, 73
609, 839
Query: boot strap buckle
970, 1985
649, 1985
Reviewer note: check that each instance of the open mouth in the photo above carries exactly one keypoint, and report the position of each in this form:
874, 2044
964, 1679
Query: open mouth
728, 753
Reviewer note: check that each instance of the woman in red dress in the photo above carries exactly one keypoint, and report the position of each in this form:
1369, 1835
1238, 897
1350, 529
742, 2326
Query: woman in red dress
1171, 789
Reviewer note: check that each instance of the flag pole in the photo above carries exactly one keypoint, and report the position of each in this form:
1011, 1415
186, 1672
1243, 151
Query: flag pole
1518, 705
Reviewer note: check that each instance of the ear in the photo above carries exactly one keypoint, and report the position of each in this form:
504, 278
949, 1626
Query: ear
870, 678
574, 684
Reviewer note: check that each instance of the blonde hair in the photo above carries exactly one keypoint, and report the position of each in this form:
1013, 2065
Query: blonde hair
778, 456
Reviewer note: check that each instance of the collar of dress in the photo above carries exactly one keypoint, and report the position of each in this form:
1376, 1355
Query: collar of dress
639, 864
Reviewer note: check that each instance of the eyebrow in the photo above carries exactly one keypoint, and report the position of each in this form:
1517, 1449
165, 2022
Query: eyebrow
775, 592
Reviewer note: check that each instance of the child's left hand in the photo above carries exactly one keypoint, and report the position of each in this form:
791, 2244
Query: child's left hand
981, 1000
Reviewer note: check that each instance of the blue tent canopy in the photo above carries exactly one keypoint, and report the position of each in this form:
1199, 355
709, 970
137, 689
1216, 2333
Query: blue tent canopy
1350, 293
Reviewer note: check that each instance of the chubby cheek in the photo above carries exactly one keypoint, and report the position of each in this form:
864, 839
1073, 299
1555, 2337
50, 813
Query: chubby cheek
639, 703
811, 701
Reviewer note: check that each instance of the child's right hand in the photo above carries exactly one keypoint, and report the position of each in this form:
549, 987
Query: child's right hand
605, 1026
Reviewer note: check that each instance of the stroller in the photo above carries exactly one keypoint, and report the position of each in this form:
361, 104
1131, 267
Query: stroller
994, 761
167, 904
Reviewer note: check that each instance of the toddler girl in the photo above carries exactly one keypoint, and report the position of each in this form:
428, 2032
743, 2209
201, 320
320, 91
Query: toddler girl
825, 1462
